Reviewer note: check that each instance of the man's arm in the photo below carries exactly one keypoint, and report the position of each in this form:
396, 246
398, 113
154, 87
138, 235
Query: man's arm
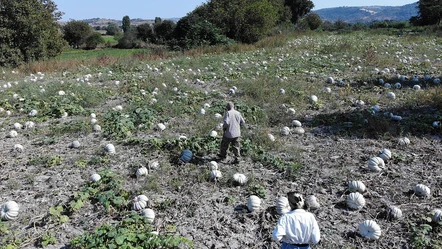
316, 234
279, 231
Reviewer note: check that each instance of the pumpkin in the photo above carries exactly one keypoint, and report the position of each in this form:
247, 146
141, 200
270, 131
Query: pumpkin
298, 130
206, 105
110, 148
282, 205
18, 148
253, 203
370, 229
118, 108
387, 85
421, 190
161, 127
291, 111
403, 141
436, 124
394, 212
97, 128
29, 124
75, 144
285, 131
376, 164
416, 87
330, 80
140, 202
240, 179
437, 217
12, 134
217, 115
149, 214
314, 98
154, 164
327, 90
271, 137
33, 113
9, 210
93, 115
281, 91
355, 200
296, 123
312, 202
356, 186
142, 171
396, 117
397, 85
391, 95
385, 154
213, 134
213, 165
202, 111
186, 156
18, 126
94, 121
95, 177
215, 174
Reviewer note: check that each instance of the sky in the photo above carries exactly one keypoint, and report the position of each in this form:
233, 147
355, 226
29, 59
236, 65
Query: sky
149, 9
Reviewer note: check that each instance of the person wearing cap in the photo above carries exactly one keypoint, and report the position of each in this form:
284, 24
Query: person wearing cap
298, 228
232, 123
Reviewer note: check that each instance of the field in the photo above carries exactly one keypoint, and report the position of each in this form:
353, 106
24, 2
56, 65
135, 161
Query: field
371, 90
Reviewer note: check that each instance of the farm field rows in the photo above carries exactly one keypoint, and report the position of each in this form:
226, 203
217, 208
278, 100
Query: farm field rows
352, 95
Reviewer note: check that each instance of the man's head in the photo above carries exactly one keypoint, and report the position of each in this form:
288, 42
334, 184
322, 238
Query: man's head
296, 200
230, 106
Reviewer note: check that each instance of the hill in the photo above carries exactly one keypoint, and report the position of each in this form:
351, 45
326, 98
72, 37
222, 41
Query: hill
368, 13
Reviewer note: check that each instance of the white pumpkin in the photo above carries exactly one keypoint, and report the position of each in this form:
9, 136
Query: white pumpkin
29, 124
97, 127
12, 134
404, 141
281, 91
312, 202
396, 117
110, 148
436, 124
421, 190
376, 164
370, 229
213, 133
142, 171
217, 115
9, 210
385, 154
149, 214
213, 165
118, 108
397, 85
298, 130
18, 148
387, 85
93, 121
437, 217
240, 179
285, 131
416, 87
75, 144
18, 126
95, 177
282, 205
93, 115
394, 212
215, 174
355, 200
314, 98
254, 203
271, 137
291, 111
330, 80
356, 186
140, 202
161, 126
33, 113
391, 95
296, 123
202, 111
154, 165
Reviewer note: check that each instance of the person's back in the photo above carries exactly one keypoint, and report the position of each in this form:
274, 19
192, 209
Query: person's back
232, 123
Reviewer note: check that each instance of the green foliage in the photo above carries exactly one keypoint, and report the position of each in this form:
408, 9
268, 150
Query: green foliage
93, 40
313, 21
299, 8
133, 231
28, 31
117, 125
126, 24
47, 239
425, 235
258, 190
46, 160
145, 32
76, 33
163, 31
58, 215
112, 29
430, 13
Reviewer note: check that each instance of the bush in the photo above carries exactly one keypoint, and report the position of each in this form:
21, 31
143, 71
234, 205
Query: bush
93, 40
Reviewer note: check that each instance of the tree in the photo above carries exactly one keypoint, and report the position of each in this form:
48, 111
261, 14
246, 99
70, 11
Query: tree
158, 20
29, 31
164, 31
126, 24
313, 21
430, 13
75, 32
299, 8
112, 29
93, 40
145, 32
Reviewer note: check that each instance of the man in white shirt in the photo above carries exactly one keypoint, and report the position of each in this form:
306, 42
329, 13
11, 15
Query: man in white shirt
233, 121
297, 228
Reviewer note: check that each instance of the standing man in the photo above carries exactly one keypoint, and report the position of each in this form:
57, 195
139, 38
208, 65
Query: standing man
297, 228
233, 121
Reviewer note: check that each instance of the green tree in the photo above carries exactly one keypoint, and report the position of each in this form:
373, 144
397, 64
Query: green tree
75, 33
126, 24
313, 21
145, 32
164, 31
299, 8
112, 29
93, 40
430, 13
29, 31
157, 20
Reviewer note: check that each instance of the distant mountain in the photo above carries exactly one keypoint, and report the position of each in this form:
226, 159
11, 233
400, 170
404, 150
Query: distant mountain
368, 13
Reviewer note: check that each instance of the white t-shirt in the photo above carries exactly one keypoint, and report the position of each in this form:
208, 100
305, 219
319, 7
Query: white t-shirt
297, 227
